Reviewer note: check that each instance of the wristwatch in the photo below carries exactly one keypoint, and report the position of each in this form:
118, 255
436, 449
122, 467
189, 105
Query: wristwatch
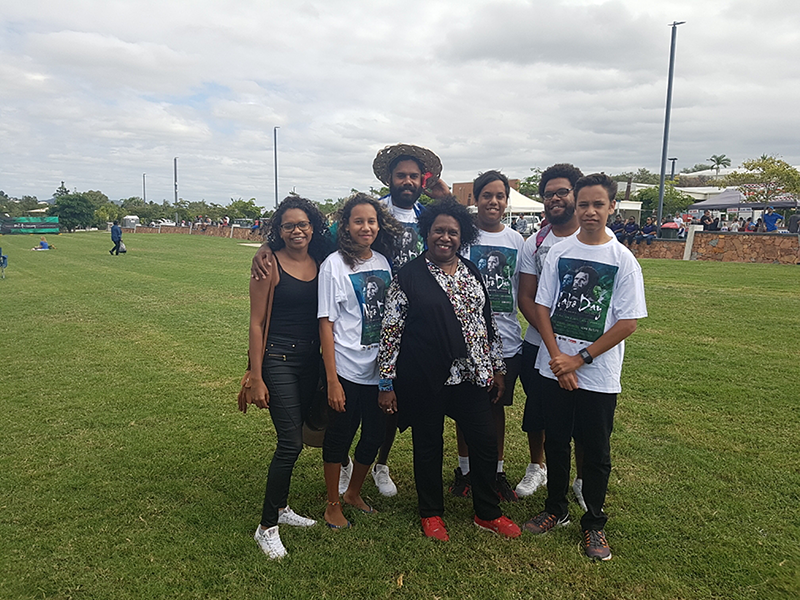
587, 358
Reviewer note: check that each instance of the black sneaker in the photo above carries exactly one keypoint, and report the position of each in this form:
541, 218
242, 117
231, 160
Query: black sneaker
504, 491
545, 521
461, 486
595, 545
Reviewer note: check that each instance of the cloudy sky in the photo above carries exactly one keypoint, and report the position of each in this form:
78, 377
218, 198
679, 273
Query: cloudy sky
98, 92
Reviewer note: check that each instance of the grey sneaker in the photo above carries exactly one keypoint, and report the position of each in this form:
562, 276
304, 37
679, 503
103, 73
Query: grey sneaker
345, 473
288, 517
595, 545
384, 483
535, 477
577, 488
545, 521
270, 542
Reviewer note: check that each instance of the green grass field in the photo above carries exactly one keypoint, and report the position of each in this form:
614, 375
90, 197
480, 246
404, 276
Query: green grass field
127, 472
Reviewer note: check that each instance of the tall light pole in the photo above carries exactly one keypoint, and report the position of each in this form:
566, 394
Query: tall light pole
666, 123
275, 153
175, 177
144, 188
672, 169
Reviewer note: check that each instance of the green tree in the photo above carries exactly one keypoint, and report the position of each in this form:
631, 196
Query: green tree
106, 213
530, 185
718, 161
60, 191
765, 178
243, 209
641, 176
675, 201
73, 211
696, 168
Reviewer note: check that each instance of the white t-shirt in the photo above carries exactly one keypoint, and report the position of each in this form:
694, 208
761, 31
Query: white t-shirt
411, 244
353, 300
588, 289
531, 264
497, 255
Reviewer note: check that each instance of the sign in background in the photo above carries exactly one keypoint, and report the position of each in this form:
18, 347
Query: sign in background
38, 225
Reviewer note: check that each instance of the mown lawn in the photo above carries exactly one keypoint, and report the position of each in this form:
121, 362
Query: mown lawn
127, 472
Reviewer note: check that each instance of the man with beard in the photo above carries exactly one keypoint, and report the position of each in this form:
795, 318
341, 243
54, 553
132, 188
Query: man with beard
556, 190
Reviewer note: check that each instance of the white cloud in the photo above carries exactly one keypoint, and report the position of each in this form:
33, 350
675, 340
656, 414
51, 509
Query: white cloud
96, 93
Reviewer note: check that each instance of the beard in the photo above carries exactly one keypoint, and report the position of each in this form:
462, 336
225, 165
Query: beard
564, 217
401, 197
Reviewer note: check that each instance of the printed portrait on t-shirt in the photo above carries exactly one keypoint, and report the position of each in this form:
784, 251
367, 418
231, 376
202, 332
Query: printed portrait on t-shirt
409, 246
583, 300
497, 265
370, 288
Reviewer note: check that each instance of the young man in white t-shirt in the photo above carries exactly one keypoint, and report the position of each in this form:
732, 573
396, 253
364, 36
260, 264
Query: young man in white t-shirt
556, 190
590, 296
496, 253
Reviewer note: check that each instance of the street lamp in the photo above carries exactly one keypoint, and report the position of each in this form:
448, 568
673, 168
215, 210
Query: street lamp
275, 152
666, 123
672, 170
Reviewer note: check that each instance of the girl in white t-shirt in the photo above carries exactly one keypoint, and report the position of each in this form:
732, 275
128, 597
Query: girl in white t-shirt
352, 287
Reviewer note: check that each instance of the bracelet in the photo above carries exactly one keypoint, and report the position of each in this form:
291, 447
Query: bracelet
385, 385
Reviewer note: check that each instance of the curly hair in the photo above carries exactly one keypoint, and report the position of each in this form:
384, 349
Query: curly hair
448, 206
320, 245
390, 232
561, 170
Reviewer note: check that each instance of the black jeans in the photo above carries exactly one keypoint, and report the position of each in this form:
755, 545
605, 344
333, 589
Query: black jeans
360, 408
291, 372
115, 249
469, 406
589, 418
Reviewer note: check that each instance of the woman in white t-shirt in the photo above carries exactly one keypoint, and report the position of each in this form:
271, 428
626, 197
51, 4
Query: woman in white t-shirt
352, 286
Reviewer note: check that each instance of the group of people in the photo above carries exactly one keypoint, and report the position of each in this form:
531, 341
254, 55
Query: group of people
414, 310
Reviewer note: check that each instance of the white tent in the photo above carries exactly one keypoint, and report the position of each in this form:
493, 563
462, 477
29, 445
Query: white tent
522, 205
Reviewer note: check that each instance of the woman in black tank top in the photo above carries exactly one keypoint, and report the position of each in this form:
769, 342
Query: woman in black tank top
285, 370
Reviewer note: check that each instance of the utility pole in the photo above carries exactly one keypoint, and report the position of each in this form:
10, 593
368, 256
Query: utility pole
275, 152
666, 123
144, 188
175, 178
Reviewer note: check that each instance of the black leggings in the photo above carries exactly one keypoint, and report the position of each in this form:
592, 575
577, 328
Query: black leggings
360, 408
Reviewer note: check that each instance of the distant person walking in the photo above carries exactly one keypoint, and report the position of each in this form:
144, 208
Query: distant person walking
116, 237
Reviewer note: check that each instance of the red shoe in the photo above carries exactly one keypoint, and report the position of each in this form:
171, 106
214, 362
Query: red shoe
434, 527
502, 525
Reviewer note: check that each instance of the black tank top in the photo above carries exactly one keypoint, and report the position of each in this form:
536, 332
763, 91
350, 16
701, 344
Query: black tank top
294, 308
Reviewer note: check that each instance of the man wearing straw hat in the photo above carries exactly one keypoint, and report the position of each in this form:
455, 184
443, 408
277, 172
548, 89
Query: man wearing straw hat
407, 171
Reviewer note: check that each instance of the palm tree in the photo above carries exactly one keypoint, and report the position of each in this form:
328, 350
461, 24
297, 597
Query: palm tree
719, 160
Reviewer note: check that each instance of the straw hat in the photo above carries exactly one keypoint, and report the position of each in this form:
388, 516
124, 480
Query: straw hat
431, 163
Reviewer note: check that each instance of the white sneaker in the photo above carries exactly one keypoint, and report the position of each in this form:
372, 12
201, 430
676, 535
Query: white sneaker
380, 473
345, 473
270, 542
535, 477
577, 488
288, 517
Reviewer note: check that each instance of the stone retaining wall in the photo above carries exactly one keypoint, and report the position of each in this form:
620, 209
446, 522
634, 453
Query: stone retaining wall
781, 248
659, 249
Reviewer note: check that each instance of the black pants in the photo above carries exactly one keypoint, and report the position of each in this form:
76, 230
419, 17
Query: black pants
290, 371
360, 408
589, 418
115, 249
469, 406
